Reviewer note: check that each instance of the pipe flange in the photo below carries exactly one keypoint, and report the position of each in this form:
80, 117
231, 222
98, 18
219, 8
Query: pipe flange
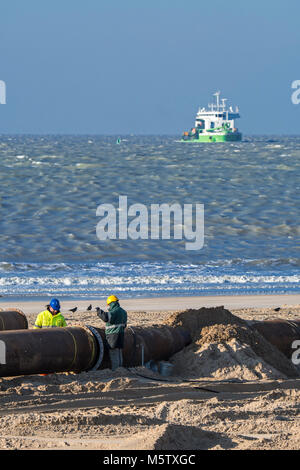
100, 344
23, 315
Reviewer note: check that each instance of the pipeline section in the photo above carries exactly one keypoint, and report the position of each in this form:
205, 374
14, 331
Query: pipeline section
281, 333
13, 320
79, 349
153, 343
46, 350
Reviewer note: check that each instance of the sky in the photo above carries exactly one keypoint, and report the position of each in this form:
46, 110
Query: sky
138, 67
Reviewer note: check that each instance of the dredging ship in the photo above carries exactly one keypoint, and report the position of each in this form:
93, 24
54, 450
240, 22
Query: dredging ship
215, 124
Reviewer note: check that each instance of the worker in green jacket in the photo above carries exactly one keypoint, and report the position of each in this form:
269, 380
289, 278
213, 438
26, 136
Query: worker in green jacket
115, 323
51, 317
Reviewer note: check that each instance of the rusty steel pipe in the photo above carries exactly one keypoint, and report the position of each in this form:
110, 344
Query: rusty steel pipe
142, 344
47, 350
279, 332
83, 348
13, 320
156, 343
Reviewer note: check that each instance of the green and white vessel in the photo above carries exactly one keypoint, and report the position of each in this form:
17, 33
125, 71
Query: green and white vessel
215, 124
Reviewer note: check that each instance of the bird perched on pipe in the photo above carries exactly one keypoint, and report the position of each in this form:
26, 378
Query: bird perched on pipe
115, 323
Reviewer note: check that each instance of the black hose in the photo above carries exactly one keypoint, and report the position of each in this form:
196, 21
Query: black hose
168, 381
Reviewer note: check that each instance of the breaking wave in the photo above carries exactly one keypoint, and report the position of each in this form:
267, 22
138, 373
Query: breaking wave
149, 279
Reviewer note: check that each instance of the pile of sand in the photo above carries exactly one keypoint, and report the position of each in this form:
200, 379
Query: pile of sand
225, 347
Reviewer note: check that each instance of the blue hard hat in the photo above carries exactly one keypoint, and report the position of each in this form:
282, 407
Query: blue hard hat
55, 304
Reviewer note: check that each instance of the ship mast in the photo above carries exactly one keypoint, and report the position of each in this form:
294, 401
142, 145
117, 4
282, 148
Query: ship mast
217, 94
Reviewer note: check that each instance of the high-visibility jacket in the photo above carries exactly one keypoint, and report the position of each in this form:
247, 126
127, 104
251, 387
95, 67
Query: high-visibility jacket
45, 319
115, 323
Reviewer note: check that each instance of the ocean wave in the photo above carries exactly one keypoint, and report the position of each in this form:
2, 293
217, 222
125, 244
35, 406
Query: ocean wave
8, 266
145, 280
176, 282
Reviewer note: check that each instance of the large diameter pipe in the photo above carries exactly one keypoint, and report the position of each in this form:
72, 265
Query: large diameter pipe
13, 320
156, 343
279, 332
80, 349
84, 348
143, 344
47, 350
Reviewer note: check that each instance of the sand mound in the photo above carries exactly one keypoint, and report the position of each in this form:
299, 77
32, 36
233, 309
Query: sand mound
225, 346
226, 360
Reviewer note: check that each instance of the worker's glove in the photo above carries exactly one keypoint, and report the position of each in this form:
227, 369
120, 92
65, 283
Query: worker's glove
99, 311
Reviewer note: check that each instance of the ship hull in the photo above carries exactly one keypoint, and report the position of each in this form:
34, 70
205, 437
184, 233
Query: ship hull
228, 137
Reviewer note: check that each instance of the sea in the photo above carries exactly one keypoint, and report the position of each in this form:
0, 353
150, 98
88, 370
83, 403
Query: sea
51, 187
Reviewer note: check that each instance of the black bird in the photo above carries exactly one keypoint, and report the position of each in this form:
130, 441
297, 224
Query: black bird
89, 307
277, 309
73, 309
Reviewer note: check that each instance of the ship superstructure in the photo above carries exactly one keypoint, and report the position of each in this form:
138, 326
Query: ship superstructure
215, 124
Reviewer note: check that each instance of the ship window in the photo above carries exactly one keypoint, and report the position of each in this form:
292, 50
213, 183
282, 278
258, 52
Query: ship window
212, 125
200, 123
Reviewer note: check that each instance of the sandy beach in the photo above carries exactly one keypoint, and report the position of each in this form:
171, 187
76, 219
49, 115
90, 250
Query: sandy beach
222, 394
164, 303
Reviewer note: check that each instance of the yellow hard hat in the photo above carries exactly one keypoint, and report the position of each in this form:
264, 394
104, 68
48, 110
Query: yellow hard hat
111, 298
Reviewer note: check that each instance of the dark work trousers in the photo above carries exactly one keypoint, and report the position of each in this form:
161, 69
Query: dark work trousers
116, 358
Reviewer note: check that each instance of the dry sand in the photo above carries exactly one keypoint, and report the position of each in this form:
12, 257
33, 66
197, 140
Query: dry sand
230, 389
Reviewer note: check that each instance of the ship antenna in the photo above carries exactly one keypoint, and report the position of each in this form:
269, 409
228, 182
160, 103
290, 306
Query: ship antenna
217, 94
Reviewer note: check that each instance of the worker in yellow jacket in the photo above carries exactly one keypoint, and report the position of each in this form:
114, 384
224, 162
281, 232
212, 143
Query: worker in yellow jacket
51, 317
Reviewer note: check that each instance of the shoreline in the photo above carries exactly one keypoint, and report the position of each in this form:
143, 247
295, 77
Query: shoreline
163, 303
